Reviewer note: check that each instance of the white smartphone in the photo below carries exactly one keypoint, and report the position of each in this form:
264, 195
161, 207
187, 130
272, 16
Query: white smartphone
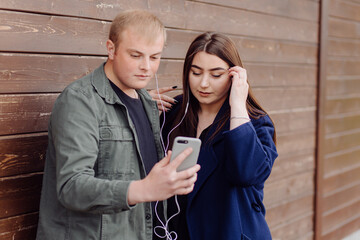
180, 144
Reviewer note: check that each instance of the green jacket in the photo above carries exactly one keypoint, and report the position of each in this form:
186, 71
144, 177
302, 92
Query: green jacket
93, 154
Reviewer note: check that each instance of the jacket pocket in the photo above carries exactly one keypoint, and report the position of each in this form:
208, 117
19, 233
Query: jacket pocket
117, 153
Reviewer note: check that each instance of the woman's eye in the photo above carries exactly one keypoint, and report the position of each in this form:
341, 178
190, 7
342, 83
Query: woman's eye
195, 73
216, 75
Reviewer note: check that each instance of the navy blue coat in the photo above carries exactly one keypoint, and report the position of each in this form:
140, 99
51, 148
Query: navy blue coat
227, 200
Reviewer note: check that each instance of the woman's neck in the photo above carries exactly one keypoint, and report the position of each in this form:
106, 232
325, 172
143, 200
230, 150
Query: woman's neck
206, 117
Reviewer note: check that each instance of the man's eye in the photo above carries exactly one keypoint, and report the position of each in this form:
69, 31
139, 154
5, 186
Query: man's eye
135, 56
155, 58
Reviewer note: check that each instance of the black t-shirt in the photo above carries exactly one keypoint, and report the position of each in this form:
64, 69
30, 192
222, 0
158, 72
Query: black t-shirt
143, 128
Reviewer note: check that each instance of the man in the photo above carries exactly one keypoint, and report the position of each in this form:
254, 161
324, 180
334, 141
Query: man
102, 171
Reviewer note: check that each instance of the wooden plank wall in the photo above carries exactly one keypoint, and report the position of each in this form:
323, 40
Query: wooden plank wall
338, 195
46, 44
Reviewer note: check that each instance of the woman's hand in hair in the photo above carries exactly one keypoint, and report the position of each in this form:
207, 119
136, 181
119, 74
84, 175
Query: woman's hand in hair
164, 101
238, 95
239, 87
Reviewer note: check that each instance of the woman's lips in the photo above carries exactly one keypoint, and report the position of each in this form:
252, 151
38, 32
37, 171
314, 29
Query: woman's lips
203, 94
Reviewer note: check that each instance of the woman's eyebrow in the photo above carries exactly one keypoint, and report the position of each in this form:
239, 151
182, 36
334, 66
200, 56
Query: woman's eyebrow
212, 69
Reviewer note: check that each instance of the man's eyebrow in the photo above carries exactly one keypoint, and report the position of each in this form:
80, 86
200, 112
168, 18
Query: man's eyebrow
138, 52
212, 69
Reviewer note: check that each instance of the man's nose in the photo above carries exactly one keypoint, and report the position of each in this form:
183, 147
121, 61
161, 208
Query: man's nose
145, 64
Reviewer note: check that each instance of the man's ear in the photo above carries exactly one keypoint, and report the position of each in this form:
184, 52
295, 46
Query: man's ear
110, 47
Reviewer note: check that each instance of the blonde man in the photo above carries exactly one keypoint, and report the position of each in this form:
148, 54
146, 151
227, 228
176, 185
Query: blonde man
102, 168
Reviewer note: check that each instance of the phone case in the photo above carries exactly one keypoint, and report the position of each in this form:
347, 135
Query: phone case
180, 144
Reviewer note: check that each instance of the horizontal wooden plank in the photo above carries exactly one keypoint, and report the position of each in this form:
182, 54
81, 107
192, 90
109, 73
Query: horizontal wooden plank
341, 28
170, 12
342, 105
250, 49
341, 181
343, 87
283, 213
294, 120
28, 73
286, 98
344, 230
337, 218
25, 113
342, 141
286, 166
294, 229
343, 66
20, 194
288, 189
22, 154
296, 142
344, 9
343, 47
342, 123
262, 75
342, 161
44, 33
307, 10
207, 17
19, 227
340, 198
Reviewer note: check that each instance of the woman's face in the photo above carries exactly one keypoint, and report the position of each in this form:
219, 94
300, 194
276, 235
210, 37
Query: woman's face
209, 80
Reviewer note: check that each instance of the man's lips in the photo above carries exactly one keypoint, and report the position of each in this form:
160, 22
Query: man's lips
142, 76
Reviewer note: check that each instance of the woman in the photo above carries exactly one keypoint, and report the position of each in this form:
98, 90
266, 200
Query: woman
238, 145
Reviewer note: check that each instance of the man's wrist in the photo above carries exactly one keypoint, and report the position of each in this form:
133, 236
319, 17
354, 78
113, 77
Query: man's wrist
136, 192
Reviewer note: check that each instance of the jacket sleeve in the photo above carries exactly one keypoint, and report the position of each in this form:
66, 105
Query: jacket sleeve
250, 152
75, 134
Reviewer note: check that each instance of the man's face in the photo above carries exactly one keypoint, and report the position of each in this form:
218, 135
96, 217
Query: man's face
135, 60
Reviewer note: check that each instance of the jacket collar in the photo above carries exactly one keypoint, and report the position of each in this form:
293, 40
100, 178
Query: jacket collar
103, 87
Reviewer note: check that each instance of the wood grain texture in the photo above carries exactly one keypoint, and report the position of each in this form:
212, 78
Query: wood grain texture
297, 228
341, 181
338, 218
22, 154
281, 214
19, 227
341, 161
288, 189
344, 230
20, 194
306, 10
25, 113
207, 17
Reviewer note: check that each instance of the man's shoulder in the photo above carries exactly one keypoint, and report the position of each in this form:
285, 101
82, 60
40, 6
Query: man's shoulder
84, 84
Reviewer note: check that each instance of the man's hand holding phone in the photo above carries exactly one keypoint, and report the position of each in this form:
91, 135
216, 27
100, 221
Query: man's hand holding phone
164, 179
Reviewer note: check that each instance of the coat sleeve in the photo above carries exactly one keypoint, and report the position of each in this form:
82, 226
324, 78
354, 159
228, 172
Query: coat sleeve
74, 130
250, 152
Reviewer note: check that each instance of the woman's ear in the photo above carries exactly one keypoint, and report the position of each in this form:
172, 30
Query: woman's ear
110, 47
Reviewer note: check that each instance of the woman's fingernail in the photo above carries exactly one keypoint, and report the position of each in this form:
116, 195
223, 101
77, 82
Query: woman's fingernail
174, 87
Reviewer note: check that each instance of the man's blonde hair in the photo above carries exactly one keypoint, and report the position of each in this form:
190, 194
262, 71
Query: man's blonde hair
141, 21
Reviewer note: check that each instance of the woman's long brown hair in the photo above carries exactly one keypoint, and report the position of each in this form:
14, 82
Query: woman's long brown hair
223, 47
